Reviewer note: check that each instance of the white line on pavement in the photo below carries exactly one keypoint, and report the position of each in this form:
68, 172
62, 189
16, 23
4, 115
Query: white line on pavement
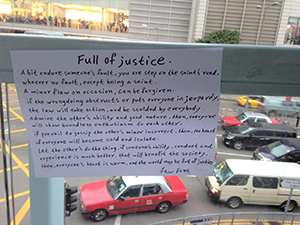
225, 153
118, 220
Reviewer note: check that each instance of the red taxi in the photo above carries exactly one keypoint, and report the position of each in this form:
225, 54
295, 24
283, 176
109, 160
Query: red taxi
127, 194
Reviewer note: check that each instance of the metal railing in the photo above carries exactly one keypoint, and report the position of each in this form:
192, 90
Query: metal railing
251, 218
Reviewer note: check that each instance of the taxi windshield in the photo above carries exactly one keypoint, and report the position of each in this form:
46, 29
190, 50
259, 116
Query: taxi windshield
115, 185
222, 172
241, 117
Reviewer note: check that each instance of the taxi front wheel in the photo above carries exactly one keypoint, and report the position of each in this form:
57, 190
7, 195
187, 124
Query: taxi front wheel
163, 207
99, 215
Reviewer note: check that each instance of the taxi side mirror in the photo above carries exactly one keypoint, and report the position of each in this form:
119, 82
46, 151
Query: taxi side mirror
121, 198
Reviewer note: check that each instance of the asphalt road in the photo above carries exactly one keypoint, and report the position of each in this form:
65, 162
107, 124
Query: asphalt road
198, 203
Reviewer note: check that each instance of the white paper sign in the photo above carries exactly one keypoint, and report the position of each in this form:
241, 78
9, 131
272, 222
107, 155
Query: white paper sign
126, 112
290, 183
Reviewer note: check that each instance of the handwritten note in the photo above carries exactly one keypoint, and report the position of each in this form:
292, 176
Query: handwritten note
126, 112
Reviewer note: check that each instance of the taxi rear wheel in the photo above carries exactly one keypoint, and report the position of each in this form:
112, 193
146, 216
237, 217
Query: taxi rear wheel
99, 215
163, 207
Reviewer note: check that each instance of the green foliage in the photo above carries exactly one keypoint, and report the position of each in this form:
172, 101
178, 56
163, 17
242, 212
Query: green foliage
221, 37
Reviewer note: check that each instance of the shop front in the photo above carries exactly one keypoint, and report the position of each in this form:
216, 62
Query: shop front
65, 15
292, 34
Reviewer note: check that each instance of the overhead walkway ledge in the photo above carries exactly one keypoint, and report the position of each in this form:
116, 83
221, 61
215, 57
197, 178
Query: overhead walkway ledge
261, 70
246, 69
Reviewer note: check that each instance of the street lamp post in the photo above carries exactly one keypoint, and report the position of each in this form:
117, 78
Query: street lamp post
264, 16
156, 28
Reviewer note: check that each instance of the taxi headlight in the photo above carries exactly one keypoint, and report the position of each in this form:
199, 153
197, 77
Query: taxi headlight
83, 207
215, 190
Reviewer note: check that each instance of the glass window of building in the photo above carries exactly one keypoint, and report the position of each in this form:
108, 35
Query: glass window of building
292, 34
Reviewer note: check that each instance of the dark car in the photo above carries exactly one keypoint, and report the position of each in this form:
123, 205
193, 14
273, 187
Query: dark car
285, 150
254, 135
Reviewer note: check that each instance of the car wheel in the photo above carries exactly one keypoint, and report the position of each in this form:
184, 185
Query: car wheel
291, 207
234, 202
163, 207
99, 215
272, 113
238, 145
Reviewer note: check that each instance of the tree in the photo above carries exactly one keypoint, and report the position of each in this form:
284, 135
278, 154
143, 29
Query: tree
221, 37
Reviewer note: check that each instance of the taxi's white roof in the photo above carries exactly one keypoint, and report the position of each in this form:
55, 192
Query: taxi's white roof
135, 180
265, 168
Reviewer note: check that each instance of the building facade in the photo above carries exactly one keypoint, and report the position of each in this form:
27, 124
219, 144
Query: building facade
264, 22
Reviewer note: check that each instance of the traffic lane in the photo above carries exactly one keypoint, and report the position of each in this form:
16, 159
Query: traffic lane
197, 204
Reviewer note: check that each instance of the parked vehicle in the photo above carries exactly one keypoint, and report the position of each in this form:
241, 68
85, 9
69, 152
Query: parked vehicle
246, 117
273, 106
238, 182
126, 194
254, 135
285, 150
253, 101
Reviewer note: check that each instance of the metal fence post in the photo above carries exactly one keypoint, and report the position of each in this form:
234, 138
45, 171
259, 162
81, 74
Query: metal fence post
219, 219
293, 217
232, 218
258, 214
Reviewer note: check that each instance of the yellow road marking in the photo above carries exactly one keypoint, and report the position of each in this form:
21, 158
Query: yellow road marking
16, 114
10, 94
15, 167
12, 87
12, 100
11, 119
15, 107
19, 146
16, 195
20, 215
18, 161
16, 131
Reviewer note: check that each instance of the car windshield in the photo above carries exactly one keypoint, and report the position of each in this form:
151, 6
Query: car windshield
222, 172
115, 185
279, 149
244, 128
241, 117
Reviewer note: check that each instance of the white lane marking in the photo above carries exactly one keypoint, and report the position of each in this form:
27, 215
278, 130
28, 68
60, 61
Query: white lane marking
118, 220
225, 153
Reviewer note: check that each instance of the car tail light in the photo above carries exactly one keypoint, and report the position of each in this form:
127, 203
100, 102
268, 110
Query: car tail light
186, 195
261, 106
